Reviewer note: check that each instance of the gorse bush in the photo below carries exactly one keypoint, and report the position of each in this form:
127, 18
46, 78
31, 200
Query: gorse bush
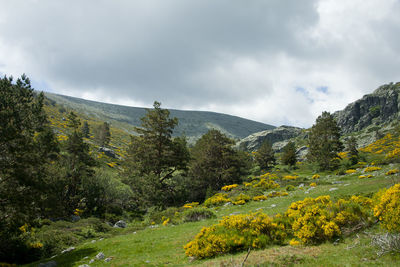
387, 208
217, 200
236, 233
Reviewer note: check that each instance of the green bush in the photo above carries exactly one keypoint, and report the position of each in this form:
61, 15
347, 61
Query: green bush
197, 214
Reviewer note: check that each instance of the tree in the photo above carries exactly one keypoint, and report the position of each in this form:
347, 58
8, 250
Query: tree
103, 135
214, 164
289, 156
78, 164
324, 142
351, 144
86, 130
264, 156
25, 137
154, 157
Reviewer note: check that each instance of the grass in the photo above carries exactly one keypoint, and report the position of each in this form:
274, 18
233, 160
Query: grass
163, 245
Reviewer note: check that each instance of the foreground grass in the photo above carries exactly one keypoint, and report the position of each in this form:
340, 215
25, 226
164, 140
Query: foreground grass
163, 245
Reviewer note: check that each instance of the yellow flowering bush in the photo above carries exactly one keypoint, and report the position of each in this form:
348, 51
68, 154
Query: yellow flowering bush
372, 168
350, 171
266, 184
313, 184
190, 205
387, 208
229, 187
316, 176
343, 155
362, 176
165, 222
241, 199
294, 242
290, 177
217, 200
236, 233
391, 172
314, 220
260, 198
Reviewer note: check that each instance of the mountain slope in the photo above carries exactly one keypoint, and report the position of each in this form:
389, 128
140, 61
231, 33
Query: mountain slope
193, 124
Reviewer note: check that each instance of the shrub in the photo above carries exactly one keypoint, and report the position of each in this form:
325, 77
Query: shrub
350, 171
316, 176
229, 187
217, 200
190, 205
313, 184
197, 214
391, 172
236, 233
241, 199
265, 184
315, 220
290, 188
260, 198
290, 177
387, 208
372, 168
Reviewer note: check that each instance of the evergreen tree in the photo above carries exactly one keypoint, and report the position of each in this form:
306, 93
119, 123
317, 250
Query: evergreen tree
86, 130
78, 165
289, 156
324, 142
351, 144
154, 157
25, 149
103, 135
214, 164
265, 156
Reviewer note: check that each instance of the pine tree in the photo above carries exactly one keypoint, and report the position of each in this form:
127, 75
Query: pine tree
86, 130
103, 135
289, 156
324, 142
26, 147
215, 163
154, 157
351, 144
265, 156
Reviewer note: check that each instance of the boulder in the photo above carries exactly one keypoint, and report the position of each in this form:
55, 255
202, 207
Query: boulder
48, 264
120, 224
67, 250
279, 135
100, 256
108, 152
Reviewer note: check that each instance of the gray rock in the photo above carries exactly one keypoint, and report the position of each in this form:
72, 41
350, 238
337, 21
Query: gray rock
301, 153
93, 241
75, 218
337, 182
100, 256
48, 264
273, 205
84, 265
279, 134
333, 189
227, 204
108, 259
91, 261
120, 224
380, 107
68, 250
301, 185
108, 152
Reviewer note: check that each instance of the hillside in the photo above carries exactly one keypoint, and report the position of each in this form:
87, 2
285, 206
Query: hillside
192, 124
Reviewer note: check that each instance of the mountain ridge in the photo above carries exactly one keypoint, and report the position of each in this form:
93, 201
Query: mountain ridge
192, 123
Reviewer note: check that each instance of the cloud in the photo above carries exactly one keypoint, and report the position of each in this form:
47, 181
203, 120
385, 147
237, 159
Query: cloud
238, 57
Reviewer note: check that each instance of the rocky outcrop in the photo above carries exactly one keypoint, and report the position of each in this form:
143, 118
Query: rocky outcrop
380, 107
278, 137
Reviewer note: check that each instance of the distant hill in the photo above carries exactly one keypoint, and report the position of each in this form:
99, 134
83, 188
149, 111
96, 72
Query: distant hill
193, 124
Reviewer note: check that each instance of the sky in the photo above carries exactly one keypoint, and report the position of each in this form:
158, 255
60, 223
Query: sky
281, 62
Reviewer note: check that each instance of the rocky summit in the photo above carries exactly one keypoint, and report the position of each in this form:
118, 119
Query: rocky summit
278, 137
380, 107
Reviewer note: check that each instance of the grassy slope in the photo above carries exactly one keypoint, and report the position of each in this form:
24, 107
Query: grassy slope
192, 124
163, 245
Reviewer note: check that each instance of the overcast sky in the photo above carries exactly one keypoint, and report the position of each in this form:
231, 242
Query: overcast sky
274, 61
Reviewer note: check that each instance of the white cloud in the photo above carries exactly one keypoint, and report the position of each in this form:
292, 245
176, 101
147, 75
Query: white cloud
264, 60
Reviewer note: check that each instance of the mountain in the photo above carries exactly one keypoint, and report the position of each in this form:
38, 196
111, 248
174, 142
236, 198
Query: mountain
193, 124
378, 109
